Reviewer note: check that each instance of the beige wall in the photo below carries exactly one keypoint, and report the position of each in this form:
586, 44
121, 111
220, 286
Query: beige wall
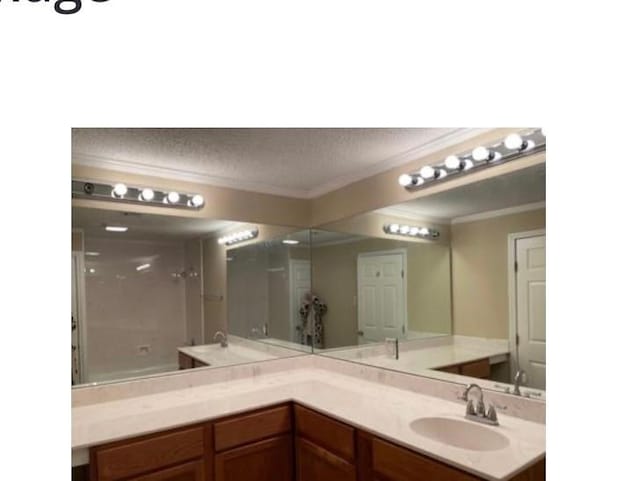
479, 272
334, 279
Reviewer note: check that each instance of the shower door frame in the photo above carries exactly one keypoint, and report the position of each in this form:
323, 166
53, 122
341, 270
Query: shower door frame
79, 311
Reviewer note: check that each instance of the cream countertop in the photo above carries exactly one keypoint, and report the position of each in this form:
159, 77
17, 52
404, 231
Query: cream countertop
382, 410
238, 351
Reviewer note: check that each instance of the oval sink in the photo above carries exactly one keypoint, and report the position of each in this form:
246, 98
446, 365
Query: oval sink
461, 434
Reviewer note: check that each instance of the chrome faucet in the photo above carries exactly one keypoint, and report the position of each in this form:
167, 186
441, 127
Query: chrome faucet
478, 412
521, 378
223, 341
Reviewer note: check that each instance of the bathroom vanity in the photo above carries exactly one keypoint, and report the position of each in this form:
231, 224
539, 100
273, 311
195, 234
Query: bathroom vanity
309, 418
279, 443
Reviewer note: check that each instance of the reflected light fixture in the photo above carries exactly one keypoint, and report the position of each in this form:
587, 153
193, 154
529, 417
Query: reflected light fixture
236, 237
290, 242
143, 267
411, 231
116, 228
514, 146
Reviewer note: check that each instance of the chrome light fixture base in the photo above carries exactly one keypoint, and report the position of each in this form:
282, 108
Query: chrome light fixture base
532, 142
119, 192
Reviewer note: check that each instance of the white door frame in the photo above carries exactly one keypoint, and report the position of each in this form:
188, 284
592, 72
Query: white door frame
403, 252
294, 315
511, 283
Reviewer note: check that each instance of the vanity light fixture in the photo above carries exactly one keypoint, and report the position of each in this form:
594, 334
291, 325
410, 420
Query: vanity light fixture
116, 228
172, 197
143, 267
236, 237
120, 192
411, 231
147, 194
514, 146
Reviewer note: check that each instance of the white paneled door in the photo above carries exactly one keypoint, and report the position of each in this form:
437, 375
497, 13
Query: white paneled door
381, 296
531, 308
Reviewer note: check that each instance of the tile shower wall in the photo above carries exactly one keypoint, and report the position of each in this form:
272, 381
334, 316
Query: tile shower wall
136, 315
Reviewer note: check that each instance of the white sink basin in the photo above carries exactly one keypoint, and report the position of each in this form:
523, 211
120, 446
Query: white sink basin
461, 434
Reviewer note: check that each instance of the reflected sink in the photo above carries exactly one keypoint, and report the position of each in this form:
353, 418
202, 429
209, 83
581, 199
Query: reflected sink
461, 434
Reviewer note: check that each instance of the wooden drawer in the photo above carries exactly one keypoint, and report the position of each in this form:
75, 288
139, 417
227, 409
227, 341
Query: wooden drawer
399, 464
480, 369
267, 460
247, 428
193, 471
314, 463
149, 453
326, 432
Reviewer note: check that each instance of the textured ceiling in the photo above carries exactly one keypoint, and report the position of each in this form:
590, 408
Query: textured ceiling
292, 162
522, 187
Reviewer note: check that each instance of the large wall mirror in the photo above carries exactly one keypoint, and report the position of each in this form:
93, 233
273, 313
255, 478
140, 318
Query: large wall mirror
150, 294
455, 280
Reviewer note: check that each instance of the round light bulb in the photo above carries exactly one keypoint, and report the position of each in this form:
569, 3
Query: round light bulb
405, 179
480, 153
427, 172
515, 142
404, 229
119, 190
424, 231
394, 228
197, 200
452, 162
414, 230
173, 197
147, 194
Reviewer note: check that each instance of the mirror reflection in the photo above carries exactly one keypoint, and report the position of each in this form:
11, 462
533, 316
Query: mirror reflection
493, 232
149, 296
268, 284
373, 287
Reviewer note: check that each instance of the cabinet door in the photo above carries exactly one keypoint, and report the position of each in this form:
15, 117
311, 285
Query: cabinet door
269, 460
186, 472
317, 464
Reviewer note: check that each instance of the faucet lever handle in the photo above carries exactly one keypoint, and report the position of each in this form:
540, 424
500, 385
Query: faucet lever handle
470, 409
491, 413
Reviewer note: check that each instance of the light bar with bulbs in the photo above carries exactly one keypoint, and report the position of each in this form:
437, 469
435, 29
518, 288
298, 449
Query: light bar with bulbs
120, 192
420, 232
236, 237
514, 146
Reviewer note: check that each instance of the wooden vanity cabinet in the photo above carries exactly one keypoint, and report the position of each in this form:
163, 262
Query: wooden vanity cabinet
480, 369
280, 443
325, 448
175, 455
255, 447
